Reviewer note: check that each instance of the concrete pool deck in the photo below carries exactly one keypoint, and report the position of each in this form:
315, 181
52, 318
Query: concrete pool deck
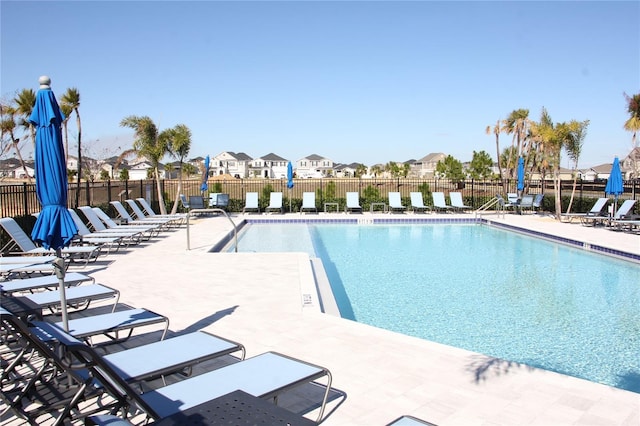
257, 299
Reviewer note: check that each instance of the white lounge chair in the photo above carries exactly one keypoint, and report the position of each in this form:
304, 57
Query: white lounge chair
596, 210
40, 283
456, 201
353, 203
417, 203
275, 203
308, 202
251, 202
138, 216
439, 203
110, 325
622, 214
97, 238
101, 222
179, 218
395, 203
26, 245
265, 376
78, 297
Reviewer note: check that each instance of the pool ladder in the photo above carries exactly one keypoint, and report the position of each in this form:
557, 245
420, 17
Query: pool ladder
489, 204
224, 212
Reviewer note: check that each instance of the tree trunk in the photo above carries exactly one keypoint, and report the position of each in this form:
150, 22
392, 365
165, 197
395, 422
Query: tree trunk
163, 208
573, 190
174, 209
79, 175
556, 190
24, 166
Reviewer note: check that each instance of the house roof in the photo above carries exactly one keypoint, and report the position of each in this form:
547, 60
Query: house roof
313, 157
272, 157
434, 156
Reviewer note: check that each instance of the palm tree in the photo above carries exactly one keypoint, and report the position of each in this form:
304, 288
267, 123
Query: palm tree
25, 101
7, 128
496, 130
179, 144
71, 100
149, 144
573, 146
66, 110
517, 123
633, 125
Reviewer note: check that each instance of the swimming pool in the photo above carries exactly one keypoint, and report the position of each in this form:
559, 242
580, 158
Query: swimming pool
482, 289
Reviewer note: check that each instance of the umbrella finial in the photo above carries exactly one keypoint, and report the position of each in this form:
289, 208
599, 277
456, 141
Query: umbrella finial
45, 82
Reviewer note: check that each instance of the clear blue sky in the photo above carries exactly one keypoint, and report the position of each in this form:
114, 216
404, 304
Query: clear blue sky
353, 81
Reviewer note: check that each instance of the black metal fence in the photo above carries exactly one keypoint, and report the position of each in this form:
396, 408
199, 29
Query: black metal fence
20, 199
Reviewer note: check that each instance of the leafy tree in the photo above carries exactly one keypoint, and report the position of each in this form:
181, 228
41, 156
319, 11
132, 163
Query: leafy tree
392, 168
450, 169
361, 169
189, 169
71, 100
480, 167
573, 146
8, 136
149, 144
509, 156
104, 175
376, 170
71, 174
124, 174
266, 191
517, 123
178, 143
633, 125
371, 193
25, 100
496, 130
405, 169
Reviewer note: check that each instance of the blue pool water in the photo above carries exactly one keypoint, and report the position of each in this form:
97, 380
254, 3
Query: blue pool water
482, 289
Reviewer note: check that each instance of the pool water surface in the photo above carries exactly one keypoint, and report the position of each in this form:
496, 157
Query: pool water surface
479, 288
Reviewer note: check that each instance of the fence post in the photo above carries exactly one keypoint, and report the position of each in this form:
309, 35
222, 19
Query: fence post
109, 190
24, 198
87, 192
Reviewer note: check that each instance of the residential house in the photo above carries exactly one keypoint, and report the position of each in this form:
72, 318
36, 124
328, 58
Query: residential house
426, 166
595, 173
271, 166
140, 170
347, 170
630, 165
314, 166
11, 168
231, 163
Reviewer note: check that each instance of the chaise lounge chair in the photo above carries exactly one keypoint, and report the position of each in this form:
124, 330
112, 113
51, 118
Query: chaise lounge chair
596, 210
457, 203
417, 204
395, 202
98, 238
179, 218
308, 202
622, 214
109, 325
439, 203
22, 241
101, 222
124, 214
251, 203
275, 203
78, 297
353, 203
38, 283
266, 376
165, 219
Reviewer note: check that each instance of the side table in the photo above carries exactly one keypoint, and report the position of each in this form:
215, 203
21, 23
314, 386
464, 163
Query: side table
237, 408
374, 205
326, 205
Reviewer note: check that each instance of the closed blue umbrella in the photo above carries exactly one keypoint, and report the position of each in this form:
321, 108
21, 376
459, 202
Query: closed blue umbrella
520, 174
289, 181
54, 227
614, 183
205, 176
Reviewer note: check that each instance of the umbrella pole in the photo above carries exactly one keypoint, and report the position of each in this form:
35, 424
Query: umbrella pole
58, 265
